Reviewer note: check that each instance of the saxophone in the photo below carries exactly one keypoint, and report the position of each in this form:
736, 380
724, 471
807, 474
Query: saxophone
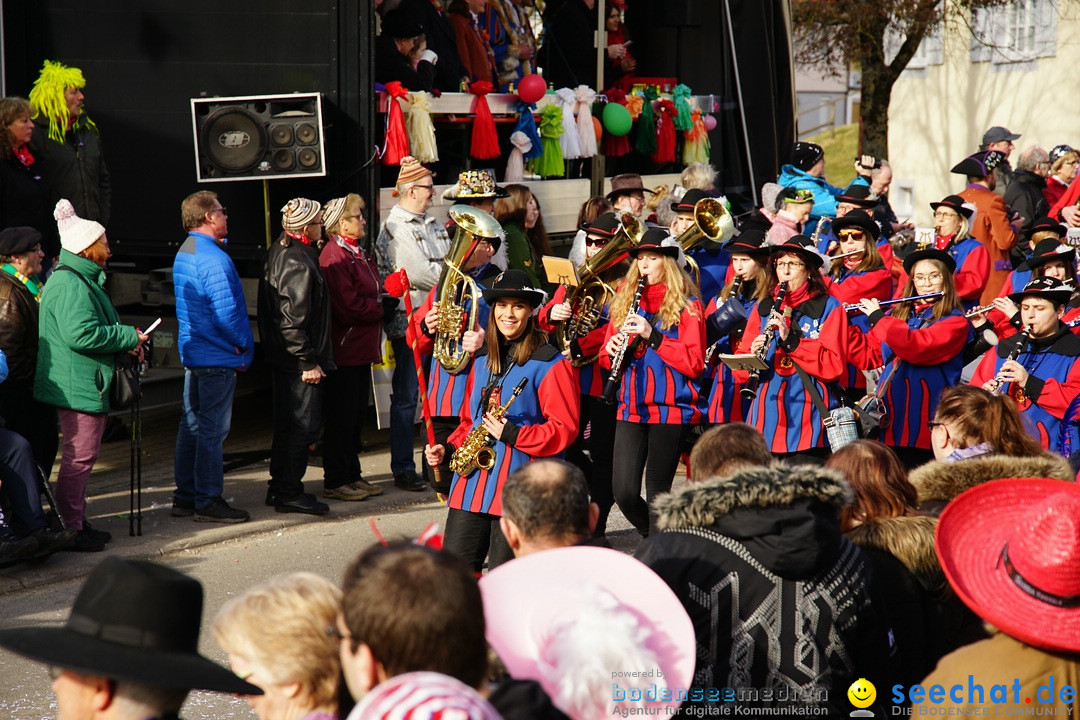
477, 451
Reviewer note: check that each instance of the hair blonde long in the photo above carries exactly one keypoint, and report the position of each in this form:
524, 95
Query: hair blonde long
676, 299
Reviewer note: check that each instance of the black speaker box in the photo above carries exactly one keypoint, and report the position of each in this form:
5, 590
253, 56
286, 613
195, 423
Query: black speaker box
261, 136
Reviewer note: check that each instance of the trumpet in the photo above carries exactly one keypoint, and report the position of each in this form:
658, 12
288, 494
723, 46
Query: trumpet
851, 307
1023, 338
749, 390
477, 451
618, 362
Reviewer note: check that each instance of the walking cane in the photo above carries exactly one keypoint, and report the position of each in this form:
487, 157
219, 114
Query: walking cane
397, 284
135, 516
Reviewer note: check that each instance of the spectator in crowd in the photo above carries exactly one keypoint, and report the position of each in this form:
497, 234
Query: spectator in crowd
1000, 139
412, 240
1063, 164
619, 63
25, 194
806, 171
67, 143
978, 437
275, 636
991, 225
1024, 195
790, 219
699, 176
215, 342
389, 625
128, 649
21, 257
568, 55
776, 528
546, 505
876, 175
591, 209
440, 39
79, 335
402, 54
526, 239
352, 280
294, 328
506, 23
1009, 549
474, 49
628, 192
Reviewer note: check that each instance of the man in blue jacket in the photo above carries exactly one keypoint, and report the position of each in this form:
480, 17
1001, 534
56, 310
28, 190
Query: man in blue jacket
807, 171
215, 342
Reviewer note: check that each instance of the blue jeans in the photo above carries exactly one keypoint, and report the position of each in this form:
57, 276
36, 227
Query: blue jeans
403, 410
204, 425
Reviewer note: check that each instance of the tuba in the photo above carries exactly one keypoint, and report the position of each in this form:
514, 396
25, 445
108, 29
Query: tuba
592, 294
457, 294
711, 220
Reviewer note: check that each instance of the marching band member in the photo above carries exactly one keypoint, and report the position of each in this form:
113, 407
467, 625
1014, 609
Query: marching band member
712, 260
727, 314
521, 397
658, 397
952, 218
599, 416
921, 345
1038, 367
446, 390
1042, 229
811, 329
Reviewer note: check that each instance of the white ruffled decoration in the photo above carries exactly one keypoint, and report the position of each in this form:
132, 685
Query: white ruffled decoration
577, 250
515, 164
672, 241
420, 129
585, 97
569, 141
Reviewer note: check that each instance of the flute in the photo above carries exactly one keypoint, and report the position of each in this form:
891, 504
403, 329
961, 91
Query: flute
851, 307
860, 251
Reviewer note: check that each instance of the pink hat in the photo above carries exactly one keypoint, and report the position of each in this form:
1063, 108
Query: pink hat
596, 628
424, 695
1011, 551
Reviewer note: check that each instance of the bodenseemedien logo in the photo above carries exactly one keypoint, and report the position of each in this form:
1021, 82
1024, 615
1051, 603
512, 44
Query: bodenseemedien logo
862, 694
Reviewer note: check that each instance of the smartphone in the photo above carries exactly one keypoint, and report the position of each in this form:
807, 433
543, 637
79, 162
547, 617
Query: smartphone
152, 327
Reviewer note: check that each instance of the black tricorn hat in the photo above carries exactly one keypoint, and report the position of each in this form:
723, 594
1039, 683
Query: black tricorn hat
859, 195
16, 240
653, 240
1048, 288
515, 284
132, 620
689, 200
1046, 251
860, 221
929, 254
979, 164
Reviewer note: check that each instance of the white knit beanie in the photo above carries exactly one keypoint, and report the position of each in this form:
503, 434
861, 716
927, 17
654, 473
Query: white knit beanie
76, 233
298, 213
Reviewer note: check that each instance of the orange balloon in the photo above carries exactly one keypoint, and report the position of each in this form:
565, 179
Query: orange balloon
598, 128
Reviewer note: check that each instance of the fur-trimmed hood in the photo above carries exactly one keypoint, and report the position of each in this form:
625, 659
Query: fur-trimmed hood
787, 517
939, 482
909, 539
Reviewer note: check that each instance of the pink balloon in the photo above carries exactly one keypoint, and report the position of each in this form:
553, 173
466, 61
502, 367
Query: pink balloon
532, 88
710, 122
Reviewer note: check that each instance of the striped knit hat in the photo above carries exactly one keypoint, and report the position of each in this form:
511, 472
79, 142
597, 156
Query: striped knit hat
427, 695
411, 171
333, 211
298, 213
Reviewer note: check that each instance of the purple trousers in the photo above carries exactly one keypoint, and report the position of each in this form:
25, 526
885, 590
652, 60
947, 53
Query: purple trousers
82, 441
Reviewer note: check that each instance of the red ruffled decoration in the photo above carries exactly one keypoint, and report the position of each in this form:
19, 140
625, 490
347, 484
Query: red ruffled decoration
610, 145
485, 142
397, 139
665, 133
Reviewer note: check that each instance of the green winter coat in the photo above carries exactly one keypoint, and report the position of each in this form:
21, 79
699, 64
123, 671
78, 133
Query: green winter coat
79, 335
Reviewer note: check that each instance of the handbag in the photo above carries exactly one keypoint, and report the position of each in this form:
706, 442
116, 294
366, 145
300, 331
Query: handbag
841, 423
871, 410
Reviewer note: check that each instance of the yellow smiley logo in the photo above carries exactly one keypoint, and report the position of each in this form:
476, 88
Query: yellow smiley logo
862, 693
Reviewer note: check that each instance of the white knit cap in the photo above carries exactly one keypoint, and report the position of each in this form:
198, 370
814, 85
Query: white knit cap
298, 213
76, 233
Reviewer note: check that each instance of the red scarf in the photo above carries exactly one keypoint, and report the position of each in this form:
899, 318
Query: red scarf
795, 298
299, 238
942, 241
351, 242
652, 297
23, 153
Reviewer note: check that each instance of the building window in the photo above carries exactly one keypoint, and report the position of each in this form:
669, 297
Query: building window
1020, 31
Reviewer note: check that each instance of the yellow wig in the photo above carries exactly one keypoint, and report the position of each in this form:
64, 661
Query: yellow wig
47, 97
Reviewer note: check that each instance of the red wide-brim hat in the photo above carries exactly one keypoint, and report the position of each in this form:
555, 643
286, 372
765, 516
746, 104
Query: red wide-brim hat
1011, 551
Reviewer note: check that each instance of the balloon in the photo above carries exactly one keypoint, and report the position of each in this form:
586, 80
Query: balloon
617, 119
532, 88
597, 128
710, 122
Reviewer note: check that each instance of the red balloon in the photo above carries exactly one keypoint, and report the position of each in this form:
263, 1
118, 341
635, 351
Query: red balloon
532, 88
598, 128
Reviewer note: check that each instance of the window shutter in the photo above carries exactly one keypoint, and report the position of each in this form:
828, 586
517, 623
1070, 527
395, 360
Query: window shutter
1046, 17
980, 35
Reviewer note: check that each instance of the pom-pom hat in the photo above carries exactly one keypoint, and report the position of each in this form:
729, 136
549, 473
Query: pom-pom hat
76, 233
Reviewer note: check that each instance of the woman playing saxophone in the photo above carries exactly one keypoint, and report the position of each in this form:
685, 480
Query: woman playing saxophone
541, 421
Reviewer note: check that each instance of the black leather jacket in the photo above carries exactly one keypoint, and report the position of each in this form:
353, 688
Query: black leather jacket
294, 308
18, 332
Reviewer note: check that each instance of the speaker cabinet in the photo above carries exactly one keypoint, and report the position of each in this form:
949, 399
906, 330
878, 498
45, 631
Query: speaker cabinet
262, 136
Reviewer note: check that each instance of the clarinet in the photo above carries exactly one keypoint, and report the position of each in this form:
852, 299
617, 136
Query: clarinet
618, 362
1022, 339
736, 285
749, 390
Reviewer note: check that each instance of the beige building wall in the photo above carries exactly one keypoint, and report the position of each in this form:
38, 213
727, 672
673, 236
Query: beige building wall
939, 112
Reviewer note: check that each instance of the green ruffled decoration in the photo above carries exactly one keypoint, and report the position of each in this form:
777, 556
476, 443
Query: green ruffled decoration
550, 162
645, 139
683, 118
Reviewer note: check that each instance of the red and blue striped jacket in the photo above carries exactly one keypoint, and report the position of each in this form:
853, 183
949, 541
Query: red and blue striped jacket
851, 287
972, 271
544, 421
724, 402
592, 376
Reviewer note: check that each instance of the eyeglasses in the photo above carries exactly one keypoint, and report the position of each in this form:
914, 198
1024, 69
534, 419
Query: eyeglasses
429, 188
931, 425
940, 215
927, 279
222, 210
790, 264
333, 632
353, 217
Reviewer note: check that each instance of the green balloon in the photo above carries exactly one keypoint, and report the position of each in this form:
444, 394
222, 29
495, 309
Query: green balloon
617, 119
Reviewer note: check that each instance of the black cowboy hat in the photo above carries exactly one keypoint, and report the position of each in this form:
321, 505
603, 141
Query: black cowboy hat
653, 240
1046, 251
16, 240
689, 200
1041, 224
515, 284
132, 620
859, 195
929, 254
979, 164
605, 225
1048, 288
957, 203
858, 220
803, 247
750, 242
